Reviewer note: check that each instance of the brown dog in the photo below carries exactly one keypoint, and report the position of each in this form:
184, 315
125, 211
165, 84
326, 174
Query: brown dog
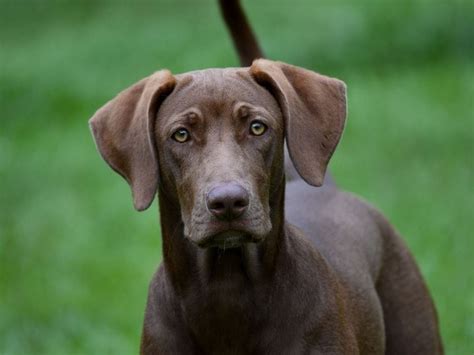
236, 277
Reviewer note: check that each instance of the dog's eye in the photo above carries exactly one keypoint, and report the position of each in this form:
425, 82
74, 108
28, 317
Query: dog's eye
257, 128
181, 135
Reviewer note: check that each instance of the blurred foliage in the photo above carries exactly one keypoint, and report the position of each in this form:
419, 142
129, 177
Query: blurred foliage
75, 260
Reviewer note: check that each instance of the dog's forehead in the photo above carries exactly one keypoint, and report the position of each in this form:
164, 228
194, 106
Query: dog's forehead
217, 89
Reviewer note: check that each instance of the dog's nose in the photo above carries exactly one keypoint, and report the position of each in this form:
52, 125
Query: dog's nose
227, 201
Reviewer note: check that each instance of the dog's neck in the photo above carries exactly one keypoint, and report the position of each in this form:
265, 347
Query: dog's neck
182, 258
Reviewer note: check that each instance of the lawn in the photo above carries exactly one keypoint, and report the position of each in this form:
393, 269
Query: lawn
75, 259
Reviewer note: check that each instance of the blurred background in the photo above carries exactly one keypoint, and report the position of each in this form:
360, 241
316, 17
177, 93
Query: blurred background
75, 259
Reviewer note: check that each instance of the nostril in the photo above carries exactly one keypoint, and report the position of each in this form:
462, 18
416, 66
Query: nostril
240, 203
216, 205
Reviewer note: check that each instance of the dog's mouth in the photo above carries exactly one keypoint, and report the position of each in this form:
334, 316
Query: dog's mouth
228, 240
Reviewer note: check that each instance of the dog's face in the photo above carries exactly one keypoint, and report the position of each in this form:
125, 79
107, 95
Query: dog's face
213, 141
219, 138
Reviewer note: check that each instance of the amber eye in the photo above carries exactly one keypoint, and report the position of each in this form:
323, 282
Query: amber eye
257, 128
181, 135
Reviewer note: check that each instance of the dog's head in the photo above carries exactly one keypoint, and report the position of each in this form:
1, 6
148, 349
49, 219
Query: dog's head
213, 141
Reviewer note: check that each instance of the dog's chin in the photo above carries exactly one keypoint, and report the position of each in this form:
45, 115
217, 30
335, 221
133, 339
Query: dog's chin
227, 239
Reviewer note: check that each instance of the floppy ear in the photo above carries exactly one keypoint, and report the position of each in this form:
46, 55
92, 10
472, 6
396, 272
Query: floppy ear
123, 128
314, 110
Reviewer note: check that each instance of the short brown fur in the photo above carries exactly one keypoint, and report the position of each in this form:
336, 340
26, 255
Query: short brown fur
336, 280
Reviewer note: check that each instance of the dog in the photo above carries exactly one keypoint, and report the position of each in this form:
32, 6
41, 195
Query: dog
252, 264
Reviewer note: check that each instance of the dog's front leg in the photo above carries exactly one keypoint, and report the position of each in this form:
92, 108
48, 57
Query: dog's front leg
163, 330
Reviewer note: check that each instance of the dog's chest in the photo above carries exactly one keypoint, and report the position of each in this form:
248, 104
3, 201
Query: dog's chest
221, 315
227, 316
237, 320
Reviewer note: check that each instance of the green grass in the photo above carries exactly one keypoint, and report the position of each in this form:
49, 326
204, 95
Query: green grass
75, 259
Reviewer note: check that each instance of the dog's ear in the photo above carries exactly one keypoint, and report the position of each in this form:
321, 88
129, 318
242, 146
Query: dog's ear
123, 128
314, 110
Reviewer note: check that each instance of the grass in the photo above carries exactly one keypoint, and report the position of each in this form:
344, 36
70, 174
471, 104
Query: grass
75, 260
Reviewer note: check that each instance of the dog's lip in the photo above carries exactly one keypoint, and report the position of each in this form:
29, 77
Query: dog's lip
228, 239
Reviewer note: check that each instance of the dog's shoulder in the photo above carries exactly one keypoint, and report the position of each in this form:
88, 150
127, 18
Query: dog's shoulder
346, 230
